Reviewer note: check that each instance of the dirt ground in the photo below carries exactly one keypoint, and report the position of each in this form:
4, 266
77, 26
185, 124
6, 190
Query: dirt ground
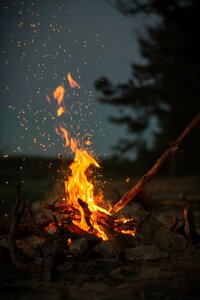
175, 275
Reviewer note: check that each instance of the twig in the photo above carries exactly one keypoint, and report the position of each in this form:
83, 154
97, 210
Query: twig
17, 215
38, 230
173, 148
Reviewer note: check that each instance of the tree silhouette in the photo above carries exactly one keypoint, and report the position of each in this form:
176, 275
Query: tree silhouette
164, 89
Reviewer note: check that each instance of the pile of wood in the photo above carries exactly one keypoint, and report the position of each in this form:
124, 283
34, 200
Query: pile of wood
66, 231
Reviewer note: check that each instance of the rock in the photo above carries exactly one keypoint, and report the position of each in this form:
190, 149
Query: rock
151, 232
105, 249
126, 240
4, 242
78, 247
145, 253
31, 246
5, 259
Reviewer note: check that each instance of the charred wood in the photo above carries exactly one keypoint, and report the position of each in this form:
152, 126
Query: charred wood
173, 224
189, 228
87, 212
179, 229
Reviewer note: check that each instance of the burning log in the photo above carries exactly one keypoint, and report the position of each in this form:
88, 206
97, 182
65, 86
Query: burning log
61, 208
86, 211
173, 148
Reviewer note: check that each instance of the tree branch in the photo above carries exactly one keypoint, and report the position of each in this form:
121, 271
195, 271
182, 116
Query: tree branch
173, 148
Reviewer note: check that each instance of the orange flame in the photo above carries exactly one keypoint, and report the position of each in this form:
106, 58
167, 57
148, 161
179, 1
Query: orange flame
72, 82
60, 111
80, 190
65, 135
59, 93
79, 187
69, 142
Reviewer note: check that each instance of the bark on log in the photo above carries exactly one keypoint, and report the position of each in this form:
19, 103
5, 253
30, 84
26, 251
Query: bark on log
173, 148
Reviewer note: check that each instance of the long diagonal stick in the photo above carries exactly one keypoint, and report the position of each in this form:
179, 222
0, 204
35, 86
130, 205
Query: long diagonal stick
173, 148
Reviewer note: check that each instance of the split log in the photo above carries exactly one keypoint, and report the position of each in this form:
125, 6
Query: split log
60, 208
189, 228
173, 148
87, 212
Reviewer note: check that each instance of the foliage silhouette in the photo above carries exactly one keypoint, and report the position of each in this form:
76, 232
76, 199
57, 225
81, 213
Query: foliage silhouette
163, 94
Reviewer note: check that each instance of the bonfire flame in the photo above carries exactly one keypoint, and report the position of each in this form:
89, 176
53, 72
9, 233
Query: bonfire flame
80, 191
79, 188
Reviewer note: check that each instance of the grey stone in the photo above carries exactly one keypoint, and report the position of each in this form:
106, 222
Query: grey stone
31, 246
152, 232
105, 249
4, 256
145, 253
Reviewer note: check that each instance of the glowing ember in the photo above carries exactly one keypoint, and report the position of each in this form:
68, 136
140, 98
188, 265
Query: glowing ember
69, 241
125, 225
88, 143
51, 229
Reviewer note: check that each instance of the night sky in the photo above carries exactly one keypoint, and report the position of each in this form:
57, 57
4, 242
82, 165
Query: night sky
41, 41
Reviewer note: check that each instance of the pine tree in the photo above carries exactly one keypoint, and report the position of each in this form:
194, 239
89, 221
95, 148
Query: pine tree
166, 87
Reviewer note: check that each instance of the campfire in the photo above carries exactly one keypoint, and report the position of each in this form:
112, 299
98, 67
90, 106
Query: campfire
84, 215
84, 203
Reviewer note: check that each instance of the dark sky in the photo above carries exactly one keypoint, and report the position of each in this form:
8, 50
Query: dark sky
41, 41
